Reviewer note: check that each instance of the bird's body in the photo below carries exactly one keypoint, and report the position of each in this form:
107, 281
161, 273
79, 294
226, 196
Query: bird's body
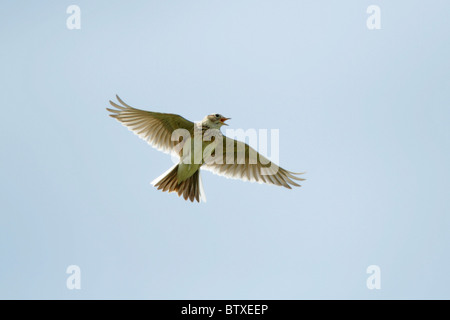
199, 145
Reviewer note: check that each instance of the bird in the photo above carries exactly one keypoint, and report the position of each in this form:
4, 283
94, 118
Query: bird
173, 134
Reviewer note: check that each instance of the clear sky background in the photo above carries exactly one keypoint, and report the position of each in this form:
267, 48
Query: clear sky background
364, 112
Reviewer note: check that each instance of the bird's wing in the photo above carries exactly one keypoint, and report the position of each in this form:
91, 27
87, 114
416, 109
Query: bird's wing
240, 161
154, 127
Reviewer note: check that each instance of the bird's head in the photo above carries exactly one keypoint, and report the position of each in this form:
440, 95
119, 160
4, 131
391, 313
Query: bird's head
215, 121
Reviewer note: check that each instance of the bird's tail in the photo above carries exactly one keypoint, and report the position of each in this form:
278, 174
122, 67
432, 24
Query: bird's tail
191, 188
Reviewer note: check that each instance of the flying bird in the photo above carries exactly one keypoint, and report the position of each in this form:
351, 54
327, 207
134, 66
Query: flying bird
199, 145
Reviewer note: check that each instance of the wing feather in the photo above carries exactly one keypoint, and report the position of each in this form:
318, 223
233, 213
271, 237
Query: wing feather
263, 171
154, 127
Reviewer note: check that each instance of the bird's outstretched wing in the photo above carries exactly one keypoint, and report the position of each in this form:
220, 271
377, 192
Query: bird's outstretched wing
240, 161
154, 127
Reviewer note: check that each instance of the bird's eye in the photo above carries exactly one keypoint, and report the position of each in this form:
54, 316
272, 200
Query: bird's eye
217, 115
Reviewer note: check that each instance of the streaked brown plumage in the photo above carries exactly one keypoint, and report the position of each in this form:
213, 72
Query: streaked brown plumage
184, 179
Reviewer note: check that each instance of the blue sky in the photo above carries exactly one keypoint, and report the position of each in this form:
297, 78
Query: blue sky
364, 112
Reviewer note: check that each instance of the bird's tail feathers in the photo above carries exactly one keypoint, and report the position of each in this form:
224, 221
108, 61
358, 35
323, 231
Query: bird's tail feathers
191, 188
158, 180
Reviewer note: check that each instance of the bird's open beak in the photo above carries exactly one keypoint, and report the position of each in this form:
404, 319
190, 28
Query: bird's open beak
223, 120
